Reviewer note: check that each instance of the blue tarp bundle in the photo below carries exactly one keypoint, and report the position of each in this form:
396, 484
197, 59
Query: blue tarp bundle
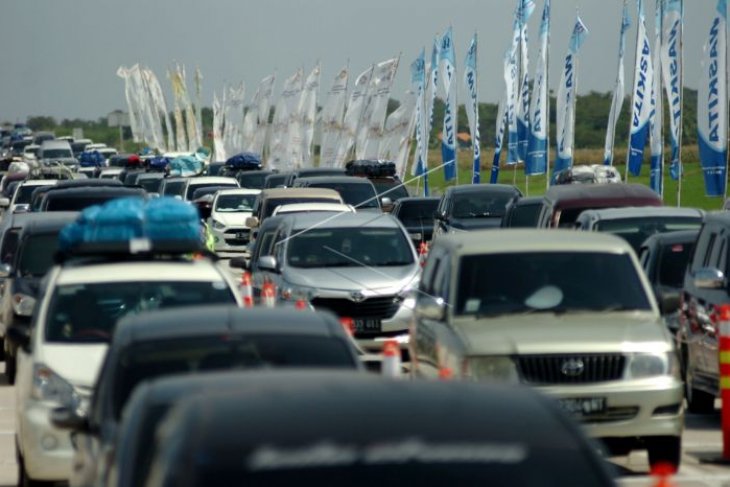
158, 163
245, 160
91, 159
124, 219
186, 166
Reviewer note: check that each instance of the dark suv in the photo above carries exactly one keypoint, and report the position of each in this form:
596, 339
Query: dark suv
705, 289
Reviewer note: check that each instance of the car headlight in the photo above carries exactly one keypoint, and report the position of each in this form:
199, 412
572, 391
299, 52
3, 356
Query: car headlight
49, 386
495, 369
218, 225
643, 365
292, 293
23, 304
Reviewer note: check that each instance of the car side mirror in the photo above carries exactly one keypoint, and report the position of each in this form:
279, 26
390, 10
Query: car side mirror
20, 336
69, 418
668, 302
4, 202
268, 263
386, 202
252, 222
709, 278
430, 308
239, 263
5, 271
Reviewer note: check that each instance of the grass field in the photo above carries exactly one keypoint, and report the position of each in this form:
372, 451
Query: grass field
693, 188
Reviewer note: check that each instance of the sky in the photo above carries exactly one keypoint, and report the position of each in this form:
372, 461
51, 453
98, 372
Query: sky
60, 57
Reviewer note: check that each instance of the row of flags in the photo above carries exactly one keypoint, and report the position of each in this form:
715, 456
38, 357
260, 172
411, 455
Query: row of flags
353, 122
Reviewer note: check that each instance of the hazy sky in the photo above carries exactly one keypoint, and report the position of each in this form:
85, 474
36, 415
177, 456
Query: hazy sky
59, 57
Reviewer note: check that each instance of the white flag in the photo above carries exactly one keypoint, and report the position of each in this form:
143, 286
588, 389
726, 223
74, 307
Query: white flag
397, 133
263, 109
373, 121
219, 151
618, 92
332, 115
353, 115
308, 110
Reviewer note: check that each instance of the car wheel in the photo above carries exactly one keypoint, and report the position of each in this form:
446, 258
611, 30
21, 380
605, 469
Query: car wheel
699, 402
10, 368
664, 450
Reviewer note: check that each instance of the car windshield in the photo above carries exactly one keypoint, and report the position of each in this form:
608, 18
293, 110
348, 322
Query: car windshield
416, 213
506, 283
173, 188
187, 355
36, 254
636, 230
275, 180
390, 189
673, 263
235, 203
349, 247
193, 187
24, 194
82, 313
271, 203
524, 216
480, 205
151, 185
355, 194
77, 203
251, 181
57, 153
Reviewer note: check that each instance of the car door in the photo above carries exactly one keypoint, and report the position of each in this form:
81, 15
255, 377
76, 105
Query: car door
718, 260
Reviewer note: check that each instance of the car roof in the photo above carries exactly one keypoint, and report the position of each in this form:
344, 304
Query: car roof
222, 320
39, 182
482, 188
333, 179
213, 180
324, 219
529, 240
99, 272
86, 183
86, 191
720, 217
642, 212
669, 238
300, 193
578, 195
238, 191
318, 206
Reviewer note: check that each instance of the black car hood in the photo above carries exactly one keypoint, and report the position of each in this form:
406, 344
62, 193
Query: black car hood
475, 223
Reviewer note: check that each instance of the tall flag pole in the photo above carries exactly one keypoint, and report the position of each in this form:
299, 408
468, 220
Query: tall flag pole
447, 68
498, 138
418, 82
712, 109
656, 174
565, 126
641, 99
672, 72
537, 155
525, 10
472, 108
618, 91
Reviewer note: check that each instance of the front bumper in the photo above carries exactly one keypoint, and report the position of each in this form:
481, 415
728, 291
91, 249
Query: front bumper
47, 451
227, 239
634, 408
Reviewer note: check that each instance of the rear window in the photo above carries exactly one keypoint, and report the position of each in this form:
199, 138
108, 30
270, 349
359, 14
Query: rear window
252, 181
524, 216
636, 230
193, 187
77, 203
417, 212
390, 189
151, 359
36, 254
151, 185
173, 188
673, 263
355, 194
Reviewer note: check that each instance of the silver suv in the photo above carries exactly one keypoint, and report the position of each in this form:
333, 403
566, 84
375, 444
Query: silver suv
359, 266
569, 313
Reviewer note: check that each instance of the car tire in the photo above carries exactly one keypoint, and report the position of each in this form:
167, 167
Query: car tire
698, 401
664, 450
11, 365
4, 344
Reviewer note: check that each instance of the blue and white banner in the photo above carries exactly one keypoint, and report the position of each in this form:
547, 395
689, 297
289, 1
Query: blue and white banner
525, 9
536, 162
712, 105
432, 75
418, 82
618, 91
656, 173
641, 100
472, 107
447, 68
498, 139
565, 123
511, 90
671, 56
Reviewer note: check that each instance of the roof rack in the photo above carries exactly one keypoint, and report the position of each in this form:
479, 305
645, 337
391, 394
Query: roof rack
132, 248
371, 168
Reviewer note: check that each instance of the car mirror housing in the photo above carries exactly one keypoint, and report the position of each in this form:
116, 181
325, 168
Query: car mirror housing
5, 271
268, 263
252, 222
4, 202
430, 308
69, 419
709, 278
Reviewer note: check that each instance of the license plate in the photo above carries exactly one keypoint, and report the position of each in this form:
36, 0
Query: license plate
242, 235
367, 326
583, 406
416, 236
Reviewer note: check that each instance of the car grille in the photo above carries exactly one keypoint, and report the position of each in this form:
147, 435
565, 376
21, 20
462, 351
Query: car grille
562, 369
380, 308
231, 236
612, 414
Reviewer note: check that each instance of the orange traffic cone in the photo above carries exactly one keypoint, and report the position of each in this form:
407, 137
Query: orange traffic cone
663, 473
247, 290
422, 253
349, 325
268, 294
391, 366
300, 304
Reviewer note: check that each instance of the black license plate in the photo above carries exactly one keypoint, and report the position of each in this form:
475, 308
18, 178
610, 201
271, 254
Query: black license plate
367, 326
583, 406
242, 235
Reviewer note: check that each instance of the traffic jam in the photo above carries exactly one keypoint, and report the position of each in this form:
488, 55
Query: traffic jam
171, 321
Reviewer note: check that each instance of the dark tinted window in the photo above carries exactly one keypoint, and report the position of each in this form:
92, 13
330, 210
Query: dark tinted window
550, 281
146, 360
253, 181
357, 195
151, 185
392, 189
10, 244
57, 153
77, 203
36, 254
636, 230
524, 216
24, 193
193, 187
417, 212
479, 205
275, 180
87, 312
173, 188
674, 259
349, 247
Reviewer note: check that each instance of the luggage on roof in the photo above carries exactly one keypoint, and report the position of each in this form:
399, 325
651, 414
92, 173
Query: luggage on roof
186, 166
244, 161
370, 168
158, 163
91, 159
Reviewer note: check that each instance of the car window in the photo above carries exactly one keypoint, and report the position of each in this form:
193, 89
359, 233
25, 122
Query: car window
193, 187
173, 188
636, 230
710, 248
701, 247
234, 203
415, 213
253, 181
85, 313
524, 216
506, 283
644, 258
10, 245
478, 205
264, 244
673, 262
35, 255
357, 195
